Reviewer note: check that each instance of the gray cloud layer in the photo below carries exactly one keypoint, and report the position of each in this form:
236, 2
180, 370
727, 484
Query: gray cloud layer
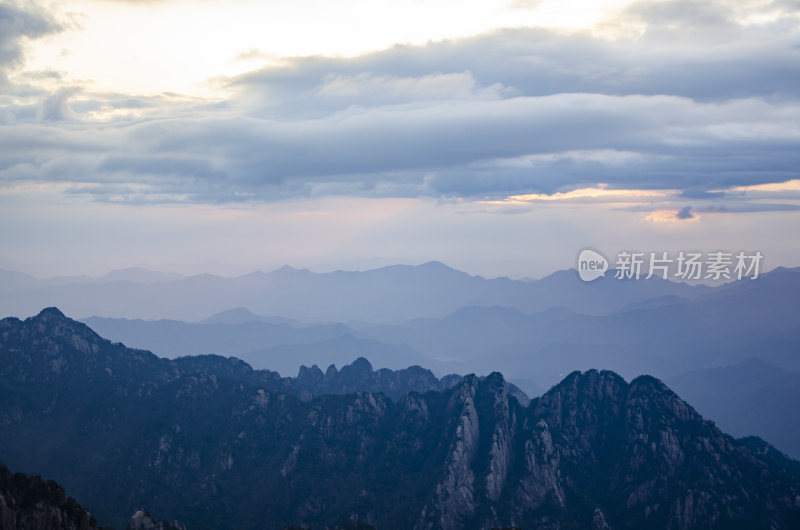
18, 22
695, 102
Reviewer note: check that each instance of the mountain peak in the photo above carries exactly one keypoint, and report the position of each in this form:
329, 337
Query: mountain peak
648, 380
49, 313
434, 265
288, 269
438, 266
494, 378
237, 314
362, 364
52, 317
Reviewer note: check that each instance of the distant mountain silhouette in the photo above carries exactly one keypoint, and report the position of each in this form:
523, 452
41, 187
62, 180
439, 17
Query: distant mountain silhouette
240, 315
339, 350
749, 398
666, 336
172, 338
391, 294
138, 275
663, 336
11, 281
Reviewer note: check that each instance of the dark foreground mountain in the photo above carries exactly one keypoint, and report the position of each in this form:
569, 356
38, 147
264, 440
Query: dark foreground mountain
207, 442
31, 503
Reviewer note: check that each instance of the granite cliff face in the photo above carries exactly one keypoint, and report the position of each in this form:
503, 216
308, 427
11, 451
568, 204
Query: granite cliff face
213, 444
141, 520
31, 503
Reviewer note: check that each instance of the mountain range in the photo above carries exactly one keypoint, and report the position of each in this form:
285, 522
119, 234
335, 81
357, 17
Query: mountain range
665, 336
388, 295
750, 397
213, 443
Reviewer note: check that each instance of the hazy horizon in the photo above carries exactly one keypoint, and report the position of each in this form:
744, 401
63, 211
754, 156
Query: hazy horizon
239, 271
500, 138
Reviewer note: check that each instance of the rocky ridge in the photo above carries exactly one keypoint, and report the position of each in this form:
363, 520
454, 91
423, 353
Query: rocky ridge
31, 503
215, 445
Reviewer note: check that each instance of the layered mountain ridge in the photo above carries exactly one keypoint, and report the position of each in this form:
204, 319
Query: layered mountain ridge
212, 443
391, 294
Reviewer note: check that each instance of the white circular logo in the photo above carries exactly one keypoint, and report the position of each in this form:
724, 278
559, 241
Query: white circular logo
591, 265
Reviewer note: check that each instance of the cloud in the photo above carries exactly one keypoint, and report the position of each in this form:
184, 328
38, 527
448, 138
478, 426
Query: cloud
474, 148
663, 58
370, 90
510, 113
56, 106
661, 210
18, 22
136, 2
524, 4
671, 216
751, 208
692, 193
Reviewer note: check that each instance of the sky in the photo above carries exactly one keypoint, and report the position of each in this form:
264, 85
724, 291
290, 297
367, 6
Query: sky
500, 137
